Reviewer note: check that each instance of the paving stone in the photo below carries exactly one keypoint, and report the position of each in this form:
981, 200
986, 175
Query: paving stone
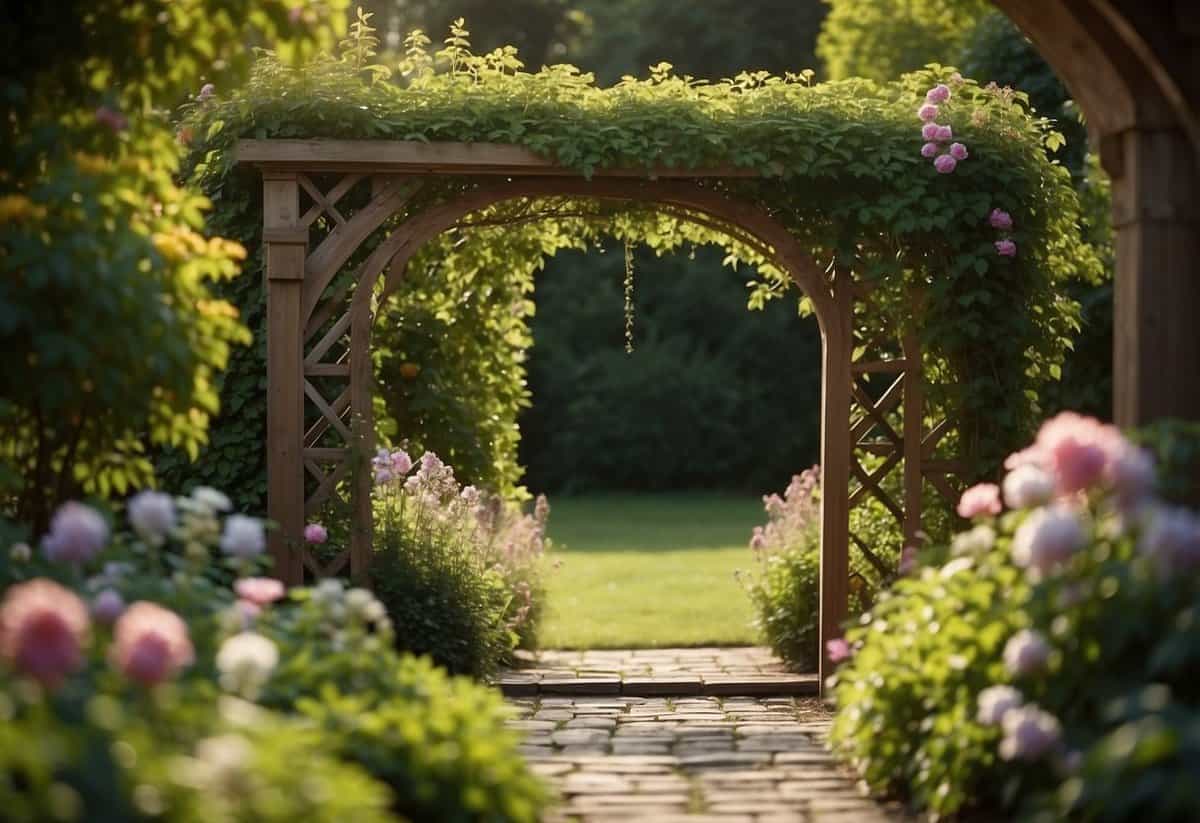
580, 685
661, 684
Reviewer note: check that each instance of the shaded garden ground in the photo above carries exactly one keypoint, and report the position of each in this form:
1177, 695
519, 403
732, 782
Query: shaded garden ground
650, 571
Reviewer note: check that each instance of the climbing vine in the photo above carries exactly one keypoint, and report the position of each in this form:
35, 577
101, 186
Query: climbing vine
840, 165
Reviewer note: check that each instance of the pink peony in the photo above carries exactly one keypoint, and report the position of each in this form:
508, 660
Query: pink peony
944, 134
1027, 486
315, 533
937, 94
1029, 733
994, 702
958, 151
1048, 539
107, 606
260, 591
980, 499
930, 150
1026, 652
945, 164
928, 112
42, 630
1078, 450
929, 131
150, 644
1001, 220
77, 534
1006, 248
838, 650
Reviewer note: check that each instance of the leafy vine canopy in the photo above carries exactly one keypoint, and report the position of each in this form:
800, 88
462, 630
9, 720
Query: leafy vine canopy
851, 168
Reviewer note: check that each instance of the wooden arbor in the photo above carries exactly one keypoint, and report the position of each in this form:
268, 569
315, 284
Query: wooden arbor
319, 369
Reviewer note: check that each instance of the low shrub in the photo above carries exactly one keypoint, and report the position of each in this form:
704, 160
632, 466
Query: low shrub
458, 570
1049, 667
154, 688
786, 587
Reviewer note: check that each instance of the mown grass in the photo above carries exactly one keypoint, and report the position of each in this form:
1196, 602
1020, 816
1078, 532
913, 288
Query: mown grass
644, 571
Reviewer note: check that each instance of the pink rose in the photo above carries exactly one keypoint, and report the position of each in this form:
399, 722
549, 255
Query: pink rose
980, 499
260, 591
150, 644
315, 533
1006, 248
928, 112
42, 630
930, 150
944, 134
958, 151
937, 94
1001, 220
929, 131
838, 650
945, 164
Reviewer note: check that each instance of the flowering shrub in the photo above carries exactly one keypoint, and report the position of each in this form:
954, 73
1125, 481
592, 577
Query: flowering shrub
1048, 660
458, 570
786, 588
148, 709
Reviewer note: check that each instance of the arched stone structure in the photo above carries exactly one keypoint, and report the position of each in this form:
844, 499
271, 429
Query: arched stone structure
320, 334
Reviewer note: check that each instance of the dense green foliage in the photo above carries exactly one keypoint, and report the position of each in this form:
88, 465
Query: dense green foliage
111, 336
849, 147
712, 396
1045, 663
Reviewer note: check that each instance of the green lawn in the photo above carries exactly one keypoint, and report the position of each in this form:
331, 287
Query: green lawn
649, 570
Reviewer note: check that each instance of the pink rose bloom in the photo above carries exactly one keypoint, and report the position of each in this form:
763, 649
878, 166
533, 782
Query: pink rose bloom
260, 591
838, 650
42, 630
937, 94
928, 112
1078, 450
1006, 248
150, 644
945, 164
944, 134
908, 560
1047, 539
1026, 652
958, 151
929, 131
315, 533
930, 150
107, 606
979, 500
1001, 220
77, 534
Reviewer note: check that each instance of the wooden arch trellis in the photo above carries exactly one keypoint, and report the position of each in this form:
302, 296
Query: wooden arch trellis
318, 336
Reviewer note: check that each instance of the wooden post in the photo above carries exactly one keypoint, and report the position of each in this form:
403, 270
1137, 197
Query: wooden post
835, 470
914, 428
362, 425
286, 247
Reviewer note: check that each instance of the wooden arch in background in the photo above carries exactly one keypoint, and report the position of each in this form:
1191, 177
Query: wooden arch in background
318, 333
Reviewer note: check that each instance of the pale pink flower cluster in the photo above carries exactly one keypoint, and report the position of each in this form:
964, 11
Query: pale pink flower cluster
391, 467
1026, 652
43, 627
980, 500
994, 702
792, 517
936, 135
150, 644
1030, 733
1002, 221
1047, 539
838, 650
261, 591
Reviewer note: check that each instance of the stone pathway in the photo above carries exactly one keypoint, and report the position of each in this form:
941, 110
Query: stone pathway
745, 671
734, 758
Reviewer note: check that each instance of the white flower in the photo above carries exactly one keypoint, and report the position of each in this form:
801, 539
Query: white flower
245, 662
1029, 733
211, 499
357, 600
1027, 486
152, 515
222, 766
974, 541
1026, 652
329, 590
994, 702
1047, 539
375, 612
244, 536
959, 564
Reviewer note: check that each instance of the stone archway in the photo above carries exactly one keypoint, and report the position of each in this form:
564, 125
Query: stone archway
316, 332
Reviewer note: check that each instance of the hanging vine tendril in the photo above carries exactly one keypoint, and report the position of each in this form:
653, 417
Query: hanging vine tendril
628, 298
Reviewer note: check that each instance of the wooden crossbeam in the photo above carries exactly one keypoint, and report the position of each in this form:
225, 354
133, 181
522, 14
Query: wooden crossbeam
335, 333
870, 484
875, 411
322, 423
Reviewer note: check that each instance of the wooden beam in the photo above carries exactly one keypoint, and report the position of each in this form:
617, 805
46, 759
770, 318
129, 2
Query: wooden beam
414, 157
